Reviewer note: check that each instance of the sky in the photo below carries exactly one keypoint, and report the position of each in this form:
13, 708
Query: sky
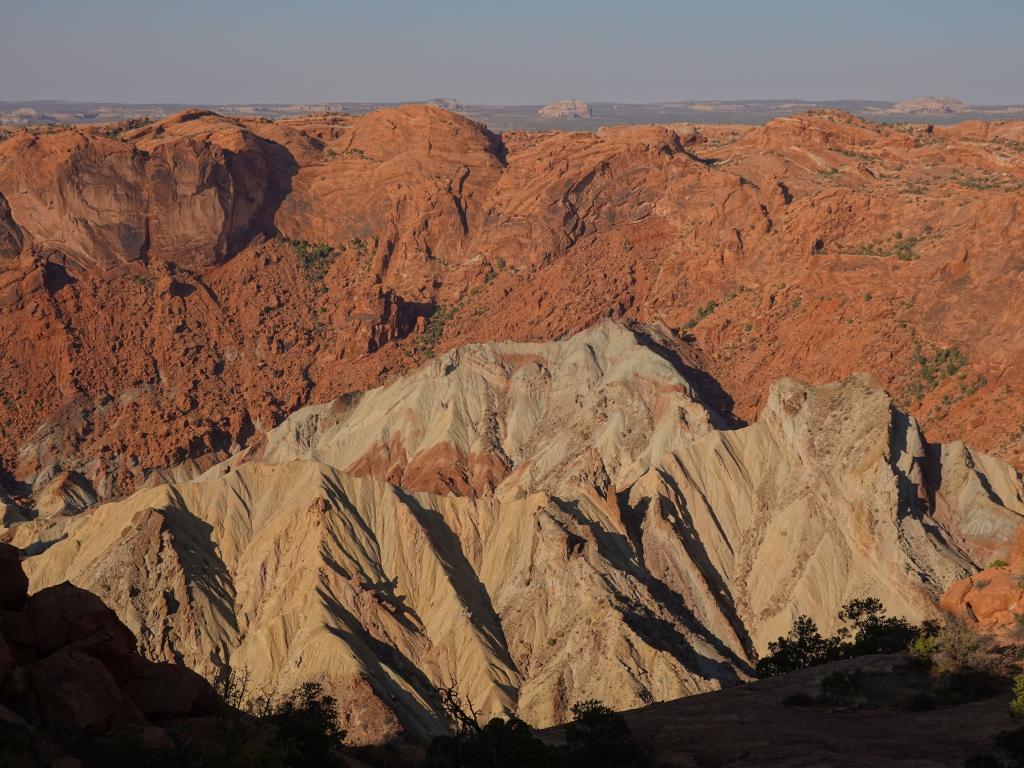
510, 52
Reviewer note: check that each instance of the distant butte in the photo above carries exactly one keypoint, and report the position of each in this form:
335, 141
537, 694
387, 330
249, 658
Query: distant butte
570, 108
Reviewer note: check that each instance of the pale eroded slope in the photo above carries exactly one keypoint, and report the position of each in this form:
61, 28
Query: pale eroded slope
544, 523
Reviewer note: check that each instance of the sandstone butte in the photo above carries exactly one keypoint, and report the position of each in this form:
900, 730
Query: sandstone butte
321, 462
544, 523
570, 108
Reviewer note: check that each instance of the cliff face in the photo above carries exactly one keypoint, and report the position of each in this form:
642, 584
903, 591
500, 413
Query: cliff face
545, 523
137, 287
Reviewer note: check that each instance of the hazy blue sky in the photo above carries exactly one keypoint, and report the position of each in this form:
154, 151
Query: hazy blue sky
514, 51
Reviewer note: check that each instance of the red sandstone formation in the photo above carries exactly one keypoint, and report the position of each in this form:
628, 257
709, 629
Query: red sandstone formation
992, 600
148, 317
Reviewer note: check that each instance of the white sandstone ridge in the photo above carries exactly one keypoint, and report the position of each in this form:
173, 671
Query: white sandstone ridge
544, 523
570, 108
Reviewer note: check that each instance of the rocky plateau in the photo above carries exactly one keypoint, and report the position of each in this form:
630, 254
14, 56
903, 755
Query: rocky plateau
391, 401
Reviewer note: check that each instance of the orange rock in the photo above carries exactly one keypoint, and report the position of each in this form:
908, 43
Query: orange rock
145, 322
993, 599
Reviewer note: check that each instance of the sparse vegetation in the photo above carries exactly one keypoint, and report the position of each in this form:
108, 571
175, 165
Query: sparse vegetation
953, 650
867, 629
596, 737
841, 687
599, 737
300, 728
315, 259
702, 312
987, 181
249, 731
895, 246
434, 330
934, 368
1017, 702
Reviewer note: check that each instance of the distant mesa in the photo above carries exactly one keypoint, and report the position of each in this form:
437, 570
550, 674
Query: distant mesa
570, 108
718, 106
451, 104
929, 105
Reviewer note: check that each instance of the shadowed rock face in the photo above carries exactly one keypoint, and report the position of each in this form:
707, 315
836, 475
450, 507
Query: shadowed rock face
544, 522
68, 664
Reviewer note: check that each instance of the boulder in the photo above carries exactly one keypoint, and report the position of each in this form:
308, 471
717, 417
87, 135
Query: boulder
75, 690
65, 613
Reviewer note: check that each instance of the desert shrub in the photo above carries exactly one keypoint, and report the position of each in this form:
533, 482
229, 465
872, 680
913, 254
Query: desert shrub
267, 731
434, 330
599, 737
998, 563
305, 726
802, 647
596, 737
1017, 702
867, 629
872, 630
840, 686
497, 744
702, 312
955, 649
315, 259
965, 688
259, 731
1017, 630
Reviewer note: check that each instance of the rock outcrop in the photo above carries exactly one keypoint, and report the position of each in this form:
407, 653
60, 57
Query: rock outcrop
703, 730
189, 189
68, 665
992, 600
544, 523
